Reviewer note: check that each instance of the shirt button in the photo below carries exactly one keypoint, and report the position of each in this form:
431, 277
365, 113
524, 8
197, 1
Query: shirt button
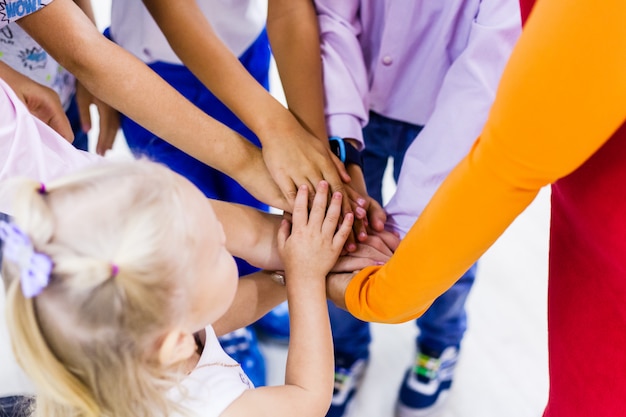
387, 60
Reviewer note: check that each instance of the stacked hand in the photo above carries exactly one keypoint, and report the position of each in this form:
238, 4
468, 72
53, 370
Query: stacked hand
310, 244
43, 102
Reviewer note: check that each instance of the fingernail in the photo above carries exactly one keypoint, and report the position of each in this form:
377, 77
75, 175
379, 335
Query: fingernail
360, 211
361, 201
379, 263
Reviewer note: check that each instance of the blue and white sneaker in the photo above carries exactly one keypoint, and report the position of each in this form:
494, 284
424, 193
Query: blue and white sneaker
349, 374
426, 386
242, 345
274, 326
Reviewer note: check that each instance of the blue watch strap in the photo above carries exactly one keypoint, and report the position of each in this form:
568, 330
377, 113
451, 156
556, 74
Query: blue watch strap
338, 146
345, 151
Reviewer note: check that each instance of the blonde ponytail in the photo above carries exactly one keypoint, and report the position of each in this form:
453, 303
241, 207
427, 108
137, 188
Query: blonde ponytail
88, 339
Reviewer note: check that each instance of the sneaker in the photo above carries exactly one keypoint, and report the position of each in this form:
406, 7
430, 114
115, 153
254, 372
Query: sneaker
242, 346
426, 386
349, 374
16, 406
274, 326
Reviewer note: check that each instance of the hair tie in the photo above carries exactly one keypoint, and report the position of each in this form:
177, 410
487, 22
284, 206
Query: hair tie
42, 188
114, 270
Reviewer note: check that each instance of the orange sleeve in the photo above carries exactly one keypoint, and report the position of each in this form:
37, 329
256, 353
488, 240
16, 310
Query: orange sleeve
562, 95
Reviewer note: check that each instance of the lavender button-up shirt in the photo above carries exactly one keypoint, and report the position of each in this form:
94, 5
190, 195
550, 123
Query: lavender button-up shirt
435, 63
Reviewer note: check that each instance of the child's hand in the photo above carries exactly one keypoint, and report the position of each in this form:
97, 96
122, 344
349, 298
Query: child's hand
373, 251
312, 246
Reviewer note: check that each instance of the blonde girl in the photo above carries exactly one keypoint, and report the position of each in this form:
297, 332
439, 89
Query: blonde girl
118, 280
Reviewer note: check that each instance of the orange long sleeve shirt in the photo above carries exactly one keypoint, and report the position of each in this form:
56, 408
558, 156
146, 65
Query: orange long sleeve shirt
561, 97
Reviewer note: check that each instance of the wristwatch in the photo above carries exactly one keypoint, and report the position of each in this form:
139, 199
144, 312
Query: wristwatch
345, 151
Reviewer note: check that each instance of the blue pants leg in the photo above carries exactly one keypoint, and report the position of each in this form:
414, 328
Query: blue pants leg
444, 324
351, 336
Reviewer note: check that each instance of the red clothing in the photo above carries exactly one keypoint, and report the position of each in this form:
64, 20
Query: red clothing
588, 268
525, 6
587, 287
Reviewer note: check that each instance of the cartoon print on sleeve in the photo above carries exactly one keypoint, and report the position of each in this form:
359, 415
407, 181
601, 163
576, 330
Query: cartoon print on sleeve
22, 53
12, 10
33, 58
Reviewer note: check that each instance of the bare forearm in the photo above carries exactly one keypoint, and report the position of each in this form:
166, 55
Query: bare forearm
308, 315
293, 31
119, 79
250, 233
187, 30
86, 7
256, 295
336, 285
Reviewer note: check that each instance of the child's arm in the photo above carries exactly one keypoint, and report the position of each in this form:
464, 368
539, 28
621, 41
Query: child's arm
250, 233
293, 32
257, 294
292, 154
293, 29
308, 253
124, 82
108, 117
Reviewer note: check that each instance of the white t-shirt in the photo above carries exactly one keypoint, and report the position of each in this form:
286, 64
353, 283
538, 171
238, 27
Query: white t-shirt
238, 23
214, 384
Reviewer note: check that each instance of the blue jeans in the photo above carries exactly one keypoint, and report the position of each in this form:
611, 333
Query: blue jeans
445, 322
211, 182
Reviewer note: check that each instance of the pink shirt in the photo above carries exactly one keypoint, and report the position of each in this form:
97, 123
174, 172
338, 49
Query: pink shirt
29, 147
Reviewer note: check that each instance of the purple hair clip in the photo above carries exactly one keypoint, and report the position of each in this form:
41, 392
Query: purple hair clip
35, 268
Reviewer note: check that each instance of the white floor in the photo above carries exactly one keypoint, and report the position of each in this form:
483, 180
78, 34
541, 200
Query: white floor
503, 366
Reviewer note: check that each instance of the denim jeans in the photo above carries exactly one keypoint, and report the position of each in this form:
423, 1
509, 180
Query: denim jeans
211, 182
445, 322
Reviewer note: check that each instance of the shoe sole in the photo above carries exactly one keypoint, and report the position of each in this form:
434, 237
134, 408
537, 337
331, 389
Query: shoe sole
404, 411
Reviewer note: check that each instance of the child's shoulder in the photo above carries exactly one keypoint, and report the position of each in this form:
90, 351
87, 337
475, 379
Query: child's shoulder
215, 383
